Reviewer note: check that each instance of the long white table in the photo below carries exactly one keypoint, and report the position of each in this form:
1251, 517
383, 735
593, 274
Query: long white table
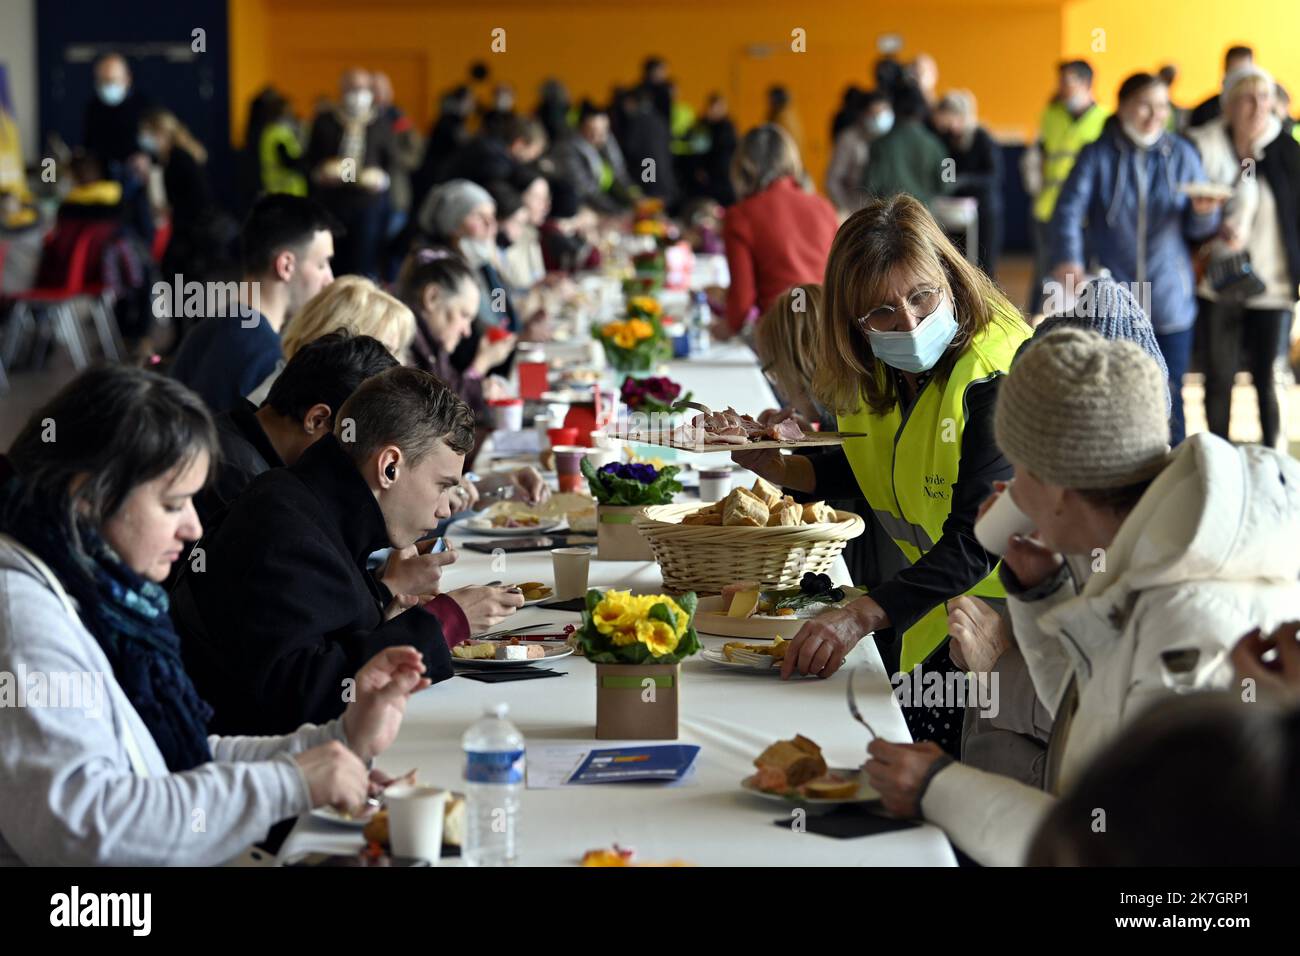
731, 715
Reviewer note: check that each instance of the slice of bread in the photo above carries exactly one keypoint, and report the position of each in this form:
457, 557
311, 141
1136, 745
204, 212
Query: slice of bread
744, 510
798, 764
768, 492
785, 515
831, 787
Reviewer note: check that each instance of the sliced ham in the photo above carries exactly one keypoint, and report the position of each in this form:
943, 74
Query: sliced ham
787, 430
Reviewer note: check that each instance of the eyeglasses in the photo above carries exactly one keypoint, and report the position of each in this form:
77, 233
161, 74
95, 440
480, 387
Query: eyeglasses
769, 373
920, 304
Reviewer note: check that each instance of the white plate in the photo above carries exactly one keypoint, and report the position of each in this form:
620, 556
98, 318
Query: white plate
1206, 190
484, 526
331, 815
555, 650
865, 793
716, 656
711, 619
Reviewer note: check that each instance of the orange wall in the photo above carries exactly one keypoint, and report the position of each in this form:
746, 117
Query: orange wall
1003, 50
709, 44
1191, 34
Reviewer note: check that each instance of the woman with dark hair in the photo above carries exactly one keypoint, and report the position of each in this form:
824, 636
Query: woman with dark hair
1123, 192
95, 504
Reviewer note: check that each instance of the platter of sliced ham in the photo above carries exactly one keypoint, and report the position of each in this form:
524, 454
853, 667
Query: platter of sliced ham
730, 430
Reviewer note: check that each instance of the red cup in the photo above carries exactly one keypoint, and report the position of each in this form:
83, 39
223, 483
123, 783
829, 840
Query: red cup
562, 436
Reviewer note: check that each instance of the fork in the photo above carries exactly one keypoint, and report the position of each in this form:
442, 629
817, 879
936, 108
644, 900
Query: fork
853, 706
679, 406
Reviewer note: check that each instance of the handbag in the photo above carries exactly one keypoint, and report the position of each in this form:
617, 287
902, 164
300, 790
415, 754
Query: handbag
1233, 277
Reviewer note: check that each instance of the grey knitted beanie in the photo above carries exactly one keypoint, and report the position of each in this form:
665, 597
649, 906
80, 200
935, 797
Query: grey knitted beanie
1083, 412
1109, 309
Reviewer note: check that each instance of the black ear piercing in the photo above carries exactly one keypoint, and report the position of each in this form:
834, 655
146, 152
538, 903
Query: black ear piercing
391, 472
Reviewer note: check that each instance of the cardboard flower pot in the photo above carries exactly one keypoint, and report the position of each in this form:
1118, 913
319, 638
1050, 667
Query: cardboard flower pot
637, 701
617, 536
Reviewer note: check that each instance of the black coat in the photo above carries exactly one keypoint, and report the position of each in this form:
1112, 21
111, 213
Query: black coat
284, 610
246, 452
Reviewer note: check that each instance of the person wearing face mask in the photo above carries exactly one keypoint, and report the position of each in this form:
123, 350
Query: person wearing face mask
853, 151
112, 119
978, 162
1071, 121
1123, 192
352, 155
201, 233
110, 131
912, 346
1261, 220
1187, 551
909, 158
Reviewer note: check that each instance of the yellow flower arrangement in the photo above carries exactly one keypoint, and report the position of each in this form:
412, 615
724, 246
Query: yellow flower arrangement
633, 629
649, 227
644, 305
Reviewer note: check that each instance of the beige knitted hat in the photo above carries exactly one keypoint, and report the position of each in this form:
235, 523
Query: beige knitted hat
1084, 412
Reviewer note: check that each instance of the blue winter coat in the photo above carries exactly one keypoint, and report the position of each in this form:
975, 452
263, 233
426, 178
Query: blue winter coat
1137, 241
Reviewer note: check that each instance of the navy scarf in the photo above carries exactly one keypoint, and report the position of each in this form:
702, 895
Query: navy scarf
126, 614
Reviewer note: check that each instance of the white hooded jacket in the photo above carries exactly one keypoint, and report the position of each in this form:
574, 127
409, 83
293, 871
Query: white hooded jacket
1209, 552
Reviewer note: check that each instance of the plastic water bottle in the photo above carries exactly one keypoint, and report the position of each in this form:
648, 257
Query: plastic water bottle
494, 775
700, 322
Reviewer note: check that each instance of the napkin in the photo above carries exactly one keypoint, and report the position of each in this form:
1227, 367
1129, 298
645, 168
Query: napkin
511, 673
578, 604
847, 822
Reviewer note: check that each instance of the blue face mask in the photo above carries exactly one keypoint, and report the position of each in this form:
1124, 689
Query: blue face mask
112, 93
920, 349
882, 123
147, 143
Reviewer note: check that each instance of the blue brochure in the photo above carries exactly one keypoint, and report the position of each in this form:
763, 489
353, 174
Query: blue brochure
662, 762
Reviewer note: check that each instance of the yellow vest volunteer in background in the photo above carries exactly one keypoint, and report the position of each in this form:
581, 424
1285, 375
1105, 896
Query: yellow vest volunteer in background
913, 342
1062, 135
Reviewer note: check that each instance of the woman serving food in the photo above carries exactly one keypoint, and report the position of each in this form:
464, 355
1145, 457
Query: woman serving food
912, 345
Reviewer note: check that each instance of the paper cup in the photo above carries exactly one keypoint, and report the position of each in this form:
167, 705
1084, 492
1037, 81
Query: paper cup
568, 467
1000, 522
715, 483
508, 414
415, 816
570, 566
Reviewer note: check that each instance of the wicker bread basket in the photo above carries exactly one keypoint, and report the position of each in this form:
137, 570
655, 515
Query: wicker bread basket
706, 558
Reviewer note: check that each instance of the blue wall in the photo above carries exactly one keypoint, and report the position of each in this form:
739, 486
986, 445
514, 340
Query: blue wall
156, 38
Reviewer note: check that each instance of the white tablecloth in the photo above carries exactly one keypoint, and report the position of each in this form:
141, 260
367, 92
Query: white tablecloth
732, 716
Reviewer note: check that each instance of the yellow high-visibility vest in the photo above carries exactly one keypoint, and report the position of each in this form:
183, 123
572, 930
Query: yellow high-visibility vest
907, 466
1062, 138
276, 177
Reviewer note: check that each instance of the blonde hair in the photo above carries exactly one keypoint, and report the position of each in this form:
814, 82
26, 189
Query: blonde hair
356, 304
786, 336
766, 154
166, 123
884, 235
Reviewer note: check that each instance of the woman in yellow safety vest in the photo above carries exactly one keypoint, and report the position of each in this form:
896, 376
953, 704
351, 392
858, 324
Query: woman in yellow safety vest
912, 344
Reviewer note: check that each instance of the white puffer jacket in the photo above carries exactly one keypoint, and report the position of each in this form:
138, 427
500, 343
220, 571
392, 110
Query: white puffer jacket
1211, 550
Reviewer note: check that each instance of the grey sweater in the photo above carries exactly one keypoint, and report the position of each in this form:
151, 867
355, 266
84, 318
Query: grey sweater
69, 793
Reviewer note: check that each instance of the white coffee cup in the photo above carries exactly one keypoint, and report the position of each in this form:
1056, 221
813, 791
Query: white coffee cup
571, 566
1000, 522
415, 816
